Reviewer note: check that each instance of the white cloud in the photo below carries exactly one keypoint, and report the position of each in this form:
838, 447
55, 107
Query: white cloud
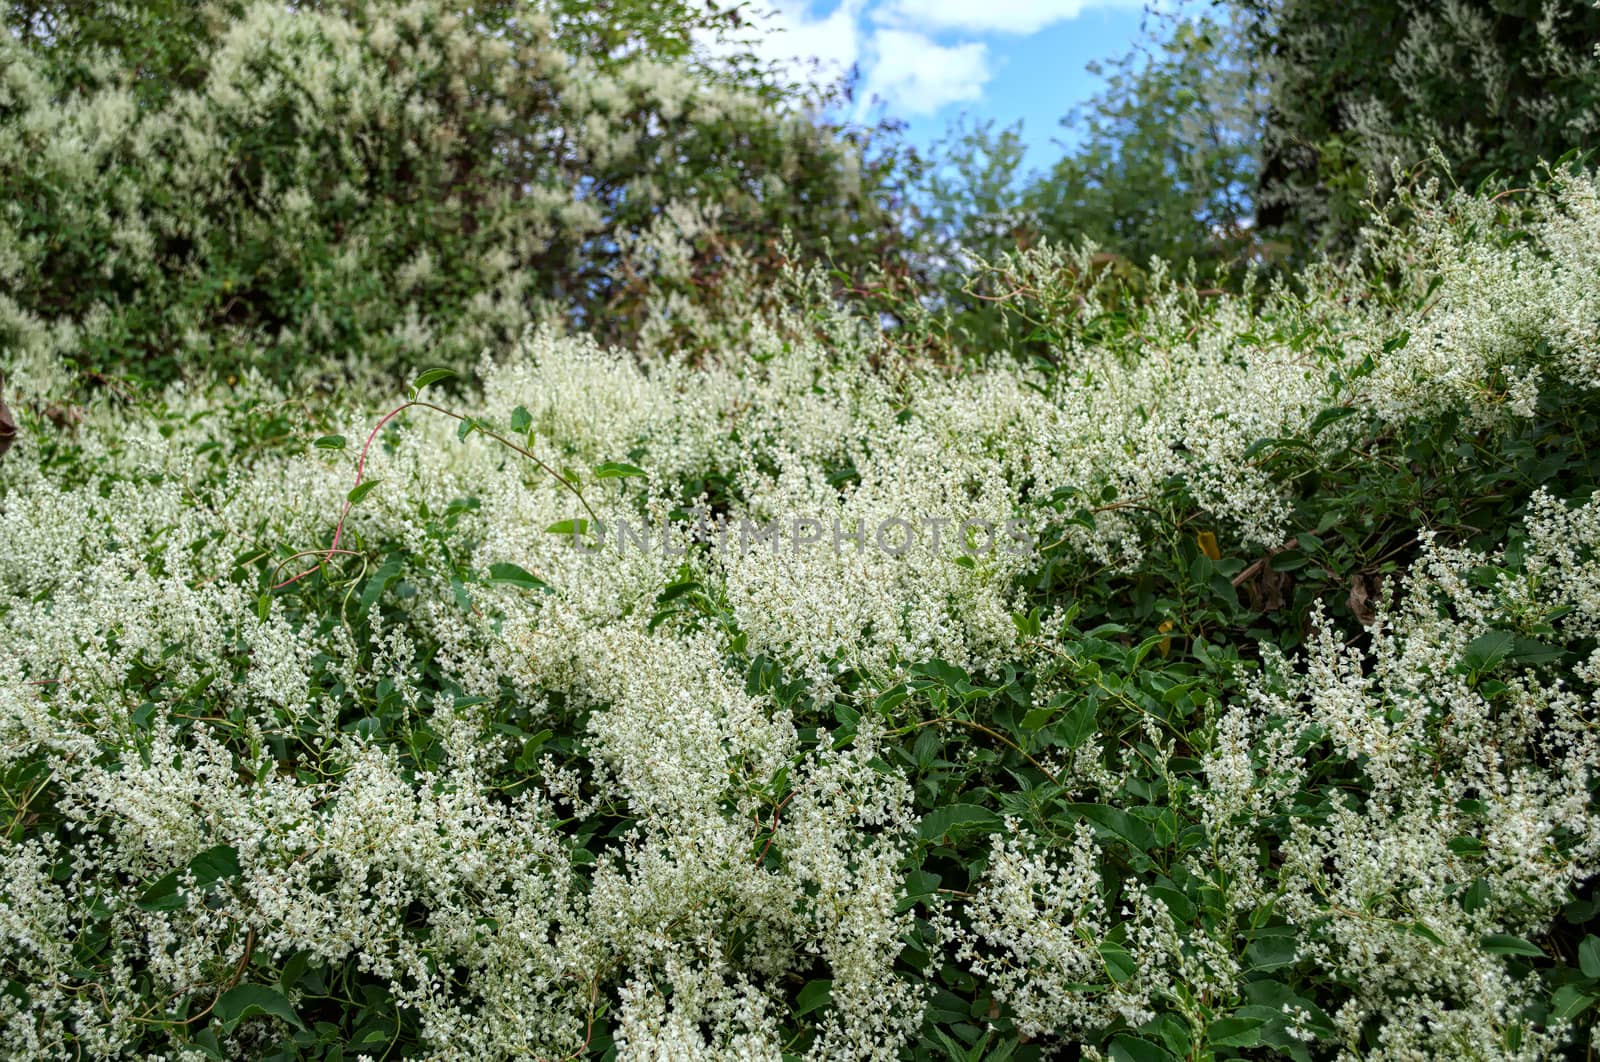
987, 16
809, 47
894, 44
915, 75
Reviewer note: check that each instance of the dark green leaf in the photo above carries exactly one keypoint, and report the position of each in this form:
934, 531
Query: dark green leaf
1570, 1001
1180, 906
1328, 416
676, 590
243, 1001
1235, 1032
1125, 1048
1505, 944
361, 490
429, 378
1271, 948
1117, 821
1487, 650
1589, 957
1036, 718
210, 866
1078, 725
962, 818
1532, 653
506, 572
814, 996
617, 470
1120, 966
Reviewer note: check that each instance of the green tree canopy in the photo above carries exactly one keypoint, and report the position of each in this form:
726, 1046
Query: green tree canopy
267, 185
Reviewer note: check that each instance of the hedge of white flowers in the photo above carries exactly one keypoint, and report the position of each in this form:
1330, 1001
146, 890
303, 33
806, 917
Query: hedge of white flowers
1223, 685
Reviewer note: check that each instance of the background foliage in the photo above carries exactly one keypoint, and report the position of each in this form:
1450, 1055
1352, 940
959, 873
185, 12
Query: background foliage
248, 185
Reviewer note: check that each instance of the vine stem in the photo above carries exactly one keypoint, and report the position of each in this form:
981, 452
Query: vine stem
972, 724
361, 471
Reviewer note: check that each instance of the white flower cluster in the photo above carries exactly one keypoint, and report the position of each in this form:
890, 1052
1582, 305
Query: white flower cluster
1040, 932
1474, 815
172, 710
1466, 814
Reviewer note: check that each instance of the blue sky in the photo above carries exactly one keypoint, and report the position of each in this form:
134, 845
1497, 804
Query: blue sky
929, 61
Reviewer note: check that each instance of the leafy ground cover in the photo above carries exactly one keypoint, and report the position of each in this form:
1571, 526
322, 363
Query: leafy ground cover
1270, 734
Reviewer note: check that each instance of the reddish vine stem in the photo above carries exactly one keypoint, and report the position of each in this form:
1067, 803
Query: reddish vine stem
772, 836
361, 470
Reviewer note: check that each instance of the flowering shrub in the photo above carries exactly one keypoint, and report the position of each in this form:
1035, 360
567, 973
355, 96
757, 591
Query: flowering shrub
1269, 733
241, 184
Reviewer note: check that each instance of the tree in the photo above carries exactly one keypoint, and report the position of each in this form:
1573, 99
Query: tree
1163, 165
1166, 154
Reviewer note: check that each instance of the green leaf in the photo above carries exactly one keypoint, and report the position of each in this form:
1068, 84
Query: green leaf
1180, 906
521, 420
891, 698
506, 572
1235, 1032
921, 883
207, 868
1272, 947
1475, 896
945, 674
294, 968
1125, 1048
1036, 718
380, 582
1329, 415
1570, 1001
617, 470
964, 818
1487, 650
1529, 651
1505, 944
243, 1001
814, 996
1078, 725
361, 490
1120, 966
428, 378
162, 895
206, 1041
214, 864
673, 591
1589, 956
1421, 930
569, 527
330, 442
1117, 821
